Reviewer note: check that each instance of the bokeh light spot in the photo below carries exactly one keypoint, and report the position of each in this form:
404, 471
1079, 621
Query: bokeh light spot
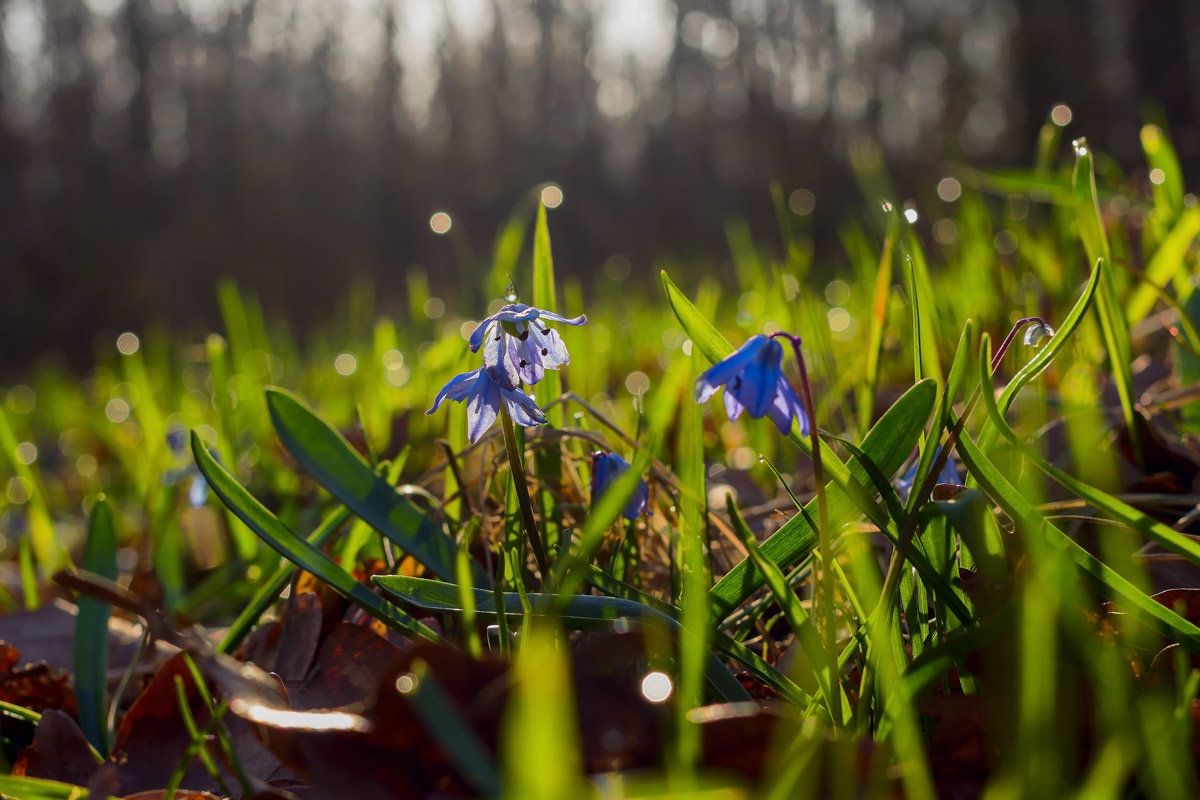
552, 195
1061, 114
657, 687
440, 222
26, 453
949, 189
637, 382
345, 364
1157, 176
128, 343
117, 410
802, 202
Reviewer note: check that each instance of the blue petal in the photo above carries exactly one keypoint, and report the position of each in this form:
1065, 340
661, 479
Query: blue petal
517, 312
724, 371
480, 333
525, 360
787, 405
550, 315
755, 388
733, 409
525, 412
457, 388
637, 503
550, 347
482, 408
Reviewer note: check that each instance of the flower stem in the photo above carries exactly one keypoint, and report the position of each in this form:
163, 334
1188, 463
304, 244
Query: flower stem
521, 484
824, 576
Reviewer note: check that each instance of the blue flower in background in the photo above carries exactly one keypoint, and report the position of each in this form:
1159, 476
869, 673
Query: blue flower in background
522, 336
485, 389
198, 486
949, 474
754, 382
606, 468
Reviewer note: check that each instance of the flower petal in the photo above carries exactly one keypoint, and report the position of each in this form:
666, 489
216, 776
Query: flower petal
550, 315
726, 370
523, 409
733, 408
480, 333
755, 388
637, 502
526, 360
482, 408
457, 388
787, 405
551, 349
517, 312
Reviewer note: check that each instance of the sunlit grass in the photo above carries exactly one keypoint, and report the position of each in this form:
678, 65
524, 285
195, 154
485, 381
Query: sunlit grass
974, 601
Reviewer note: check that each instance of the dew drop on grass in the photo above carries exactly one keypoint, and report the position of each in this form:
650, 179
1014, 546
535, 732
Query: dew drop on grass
1080, 146
510, 292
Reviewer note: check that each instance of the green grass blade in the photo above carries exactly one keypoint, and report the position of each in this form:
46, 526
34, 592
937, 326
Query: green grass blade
1164, 266
91, 629
695, 580
269, 592
281, 538
540, 744
797, 618
1016, 506
1112, 320
338, 467
24, 788
887, 444
879, 315
446, 725
1161, 156
1163, 535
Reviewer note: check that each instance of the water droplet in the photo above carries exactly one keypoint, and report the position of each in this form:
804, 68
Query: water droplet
510, 292
1081, 147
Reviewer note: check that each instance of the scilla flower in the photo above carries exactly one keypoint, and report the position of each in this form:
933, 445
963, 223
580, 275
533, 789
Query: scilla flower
754, 382
485, 389
949, 474
519, 334
606, 468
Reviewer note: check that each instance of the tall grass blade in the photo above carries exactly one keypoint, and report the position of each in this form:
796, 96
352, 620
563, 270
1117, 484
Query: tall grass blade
268, 528
330, 459
91, 629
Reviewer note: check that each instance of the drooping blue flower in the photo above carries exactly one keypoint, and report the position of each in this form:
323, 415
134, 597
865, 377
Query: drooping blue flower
485, 389
606, 468
519, 334
949, 474
754, 382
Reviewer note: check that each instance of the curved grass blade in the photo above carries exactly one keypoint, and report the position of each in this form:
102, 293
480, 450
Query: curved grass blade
26, 788
269, 592
338, 467
1150, 528
91, 630
582, 611
797, 618
1004, 494
887, 444
297, 550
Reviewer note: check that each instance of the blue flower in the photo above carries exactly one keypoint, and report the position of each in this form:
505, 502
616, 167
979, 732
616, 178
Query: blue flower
904, 484
197, 486
754, 381
606, 468
485, 389
522, 336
